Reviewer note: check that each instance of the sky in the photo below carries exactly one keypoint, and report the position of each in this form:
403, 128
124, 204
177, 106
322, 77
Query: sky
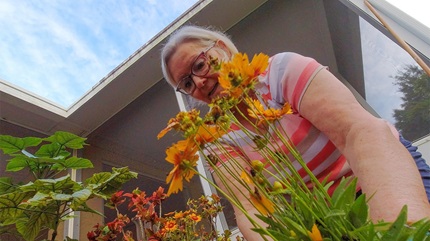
383, 59
60, 49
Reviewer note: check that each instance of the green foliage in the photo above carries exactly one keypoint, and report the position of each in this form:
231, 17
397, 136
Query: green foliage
413, 118
52, 195
339, 217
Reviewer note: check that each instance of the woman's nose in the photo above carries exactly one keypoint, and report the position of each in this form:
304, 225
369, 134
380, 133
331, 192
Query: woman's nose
199, 81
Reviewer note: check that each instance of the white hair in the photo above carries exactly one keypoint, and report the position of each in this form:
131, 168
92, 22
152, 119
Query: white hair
204, 36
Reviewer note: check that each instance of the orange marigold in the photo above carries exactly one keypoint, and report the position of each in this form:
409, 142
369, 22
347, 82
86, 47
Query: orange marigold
183, 155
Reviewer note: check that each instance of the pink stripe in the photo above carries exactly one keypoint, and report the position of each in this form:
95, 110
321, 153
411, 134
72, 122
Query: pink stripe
334, 169
301, 132
302, 82
316, 161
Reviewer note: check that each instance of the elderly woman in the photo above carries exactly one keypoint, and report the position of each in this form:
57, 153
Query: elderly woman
340, 136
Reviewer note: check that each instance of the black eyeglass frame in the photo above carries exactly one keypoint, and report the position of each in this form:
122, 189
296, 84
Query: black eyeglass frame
203, 55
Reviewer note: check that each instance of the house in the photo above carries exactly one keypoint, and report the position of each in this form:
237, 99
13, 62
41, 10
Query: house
122, 115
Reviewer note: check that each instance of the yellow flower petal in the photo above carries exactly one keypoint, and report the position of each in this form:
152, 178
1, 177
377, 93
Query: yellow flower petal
315, 235
262, 203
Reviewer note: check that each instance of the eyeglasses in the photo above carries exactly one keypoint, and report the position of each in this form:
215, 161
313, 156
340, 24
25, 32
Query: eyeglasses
199, 68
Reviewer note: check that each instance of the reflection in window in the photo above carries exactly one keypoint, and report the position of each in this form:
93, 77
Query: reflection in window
396, 87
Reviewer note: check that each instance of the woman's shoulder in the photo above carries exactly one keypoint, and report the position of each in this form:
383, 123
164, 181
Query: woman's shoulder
290, 56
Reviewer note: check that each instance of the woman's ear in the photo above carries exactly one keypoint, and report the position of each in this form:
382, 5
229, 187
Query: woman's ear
220, 44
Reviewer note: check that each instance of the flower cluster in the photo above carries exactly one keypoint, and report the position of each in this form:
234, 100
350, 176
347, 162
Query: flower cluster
195, 223
292, 208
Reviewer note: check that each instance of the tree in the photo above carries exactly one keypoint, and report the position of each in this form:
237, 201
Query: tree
413, 118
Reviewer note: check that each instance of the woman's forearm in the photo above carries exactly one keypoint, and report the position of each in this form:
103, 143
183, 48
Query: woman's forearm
386, 172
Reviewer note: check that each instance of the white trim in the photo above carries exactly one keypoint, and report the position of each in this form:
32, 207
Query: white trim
413, 32
20, 93
71, 226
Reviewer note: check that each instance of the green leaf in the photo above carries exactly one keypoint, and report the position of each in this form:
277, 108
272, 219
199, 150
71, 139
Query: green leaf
276, 234
67, 139
70, 239
396, 228
358, 214
73, 163
6, 185
80, 197
18, 163
10, 144
64, 184
84, 208
53, 150
105, 183
9, 203
30, 227
39, 199
421, 228
346, 193
61, 197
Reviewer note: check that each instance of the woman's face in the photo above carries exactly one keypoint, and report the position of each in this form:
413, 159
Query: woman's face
188, 56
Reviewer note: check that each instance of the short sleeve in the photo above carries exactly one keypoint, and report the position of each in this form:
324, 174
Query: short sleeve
288, 76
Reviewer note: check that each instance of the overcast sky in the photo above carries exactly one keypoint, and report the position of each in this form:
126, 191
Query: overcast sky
60, 49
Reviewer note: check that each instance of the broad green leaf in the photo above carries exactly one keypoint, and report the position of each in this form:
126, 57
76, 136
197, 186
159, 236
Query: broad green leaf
9, 205
84, 208
73, 163
67, 139
106, 183
10, 144
99, 178
39, 199
61, 196
53, 150
80, 197
65, 184
19, 162
30, 227
6, 185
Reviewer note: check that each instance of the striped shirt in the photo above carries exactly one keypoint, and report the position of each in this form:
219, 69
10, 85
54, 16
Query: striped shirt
286, 80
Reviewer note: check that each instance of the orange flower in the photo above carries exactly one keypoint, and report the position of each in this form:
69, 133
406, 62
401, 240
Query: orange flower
170, 226
208, 133
184, 158
171, 125
196, 218
315, 235
185, 121
261, 203
257, 111
246, 177
179, 215
239, 74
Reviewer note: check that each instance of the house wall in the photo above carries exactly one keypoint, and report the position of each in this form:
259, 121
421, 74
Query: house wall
130, 139
423, 145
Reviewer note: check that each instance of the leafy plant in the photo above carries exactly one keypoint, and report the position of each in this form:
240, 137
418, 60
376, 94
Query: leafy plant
52, 195
196, 223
